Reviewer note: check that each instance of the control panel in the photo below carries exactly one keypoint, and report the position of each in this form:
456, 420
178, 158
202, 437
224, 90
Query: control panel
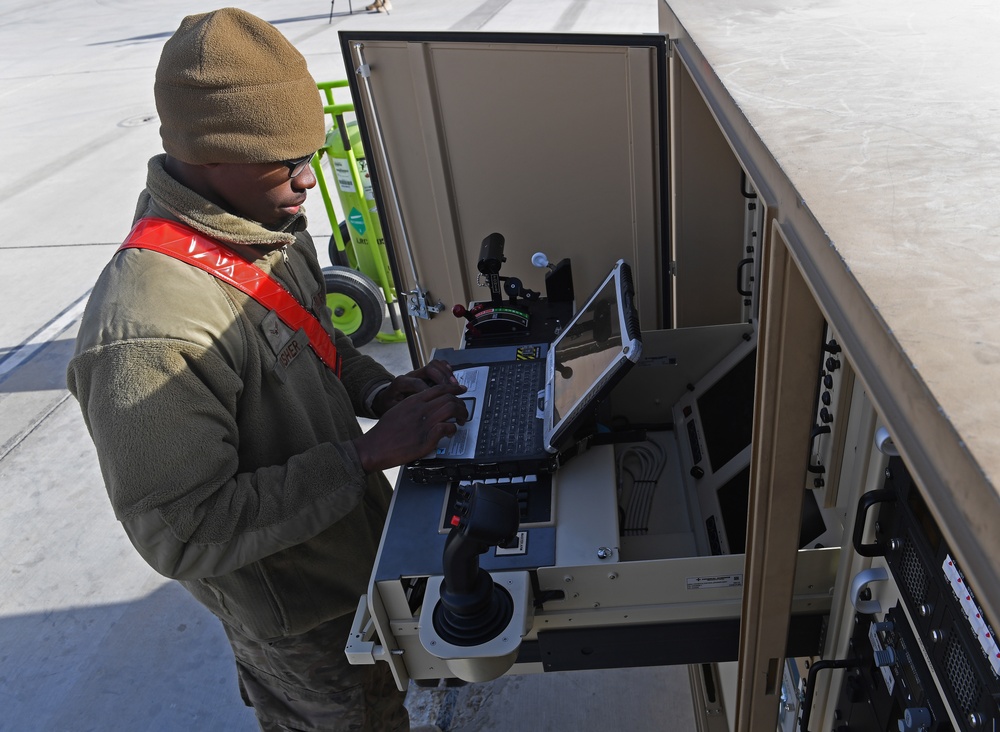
889, 686
931, 660
533, 494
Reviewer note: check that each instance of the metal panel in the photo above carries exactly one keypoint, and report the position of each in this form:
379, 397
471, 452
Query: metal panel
553, 141
958, 491
782, 419
708, 210
662, 644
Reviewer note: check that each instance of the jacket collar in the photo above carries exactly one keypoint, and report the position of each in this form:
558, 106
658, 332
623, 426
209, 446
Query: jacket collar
209, 218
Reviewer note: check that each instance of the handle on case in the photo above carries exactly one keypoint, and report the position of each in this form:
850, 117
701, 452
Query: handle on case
884, 495
743, 186
820, 429
739, 277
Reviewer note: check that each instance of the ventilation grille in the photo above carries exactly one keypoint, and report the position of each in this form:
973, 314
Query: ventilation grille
961, 677
912, 574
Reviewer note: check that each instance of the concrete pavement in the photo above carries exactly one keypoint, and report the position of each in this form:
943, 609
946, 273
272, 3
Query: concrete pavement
90, 637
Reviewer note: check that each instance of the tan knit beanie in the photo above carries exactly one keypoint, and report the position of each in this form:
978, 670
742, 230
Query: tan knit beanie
230, 88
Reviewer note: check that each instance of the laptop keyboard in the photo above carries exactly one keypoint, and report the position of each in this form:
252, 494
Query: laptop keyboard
509, 425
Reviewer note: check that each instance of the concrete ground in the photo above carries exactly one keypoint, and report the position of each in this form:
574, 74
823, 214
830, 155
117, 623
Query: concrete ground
90, 637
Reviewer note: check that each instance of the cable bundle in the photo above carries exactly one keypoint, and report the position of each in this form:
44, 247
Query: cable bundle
643, 463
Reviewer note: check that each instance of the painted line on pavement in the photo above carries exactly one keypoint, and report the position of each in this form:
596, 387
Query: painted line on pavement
43, 336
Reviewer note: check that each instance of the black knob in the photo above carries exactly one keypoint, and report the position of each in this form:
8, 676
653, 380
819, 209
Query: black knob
697, 472
826, 399
828, 381
459, 311
825, 416
916, 718
832, 364
832, 347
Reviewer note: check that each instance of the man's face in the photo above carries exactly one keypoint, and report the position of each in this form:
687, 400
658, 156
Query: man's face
261, 192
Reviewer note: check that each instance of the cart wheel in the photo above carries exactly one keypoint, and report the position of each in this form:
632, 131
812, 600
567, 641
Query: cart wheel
339, 258
356, 302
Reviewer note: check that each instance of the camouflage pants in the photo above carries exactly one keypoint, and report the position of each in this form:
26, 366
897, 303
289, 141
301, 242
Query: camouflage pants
304, 682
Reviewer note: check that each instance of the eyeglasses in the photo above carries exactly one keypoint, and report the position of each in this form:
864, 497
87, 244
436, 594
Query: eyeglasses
298, 165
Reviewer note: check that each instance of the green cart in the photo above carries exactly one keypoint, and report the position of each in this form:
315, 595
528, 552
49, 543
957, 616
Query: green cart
359, 285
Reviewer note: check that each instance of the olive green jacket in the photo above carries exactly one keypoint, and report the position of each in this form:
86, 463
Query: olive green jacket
230, 472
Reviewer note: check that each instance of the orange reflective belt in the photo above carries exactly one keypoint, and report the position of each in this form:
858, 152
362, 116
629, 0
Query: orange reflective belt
188, 245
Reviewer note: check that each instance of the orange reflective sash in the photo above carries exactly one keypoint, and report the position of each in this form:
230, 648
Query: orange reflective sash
188, 245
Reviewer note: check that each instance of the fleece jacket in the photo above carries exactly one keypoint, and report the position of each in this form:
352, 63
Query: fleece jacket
230, 471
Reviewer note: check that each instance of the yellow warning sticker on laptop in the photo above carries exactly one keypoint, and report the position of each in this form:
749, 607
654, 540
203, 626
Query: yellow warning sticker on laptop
528, 353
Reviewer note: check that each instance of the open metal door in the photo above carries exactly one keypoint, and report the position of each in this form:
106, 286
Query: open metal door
556, 142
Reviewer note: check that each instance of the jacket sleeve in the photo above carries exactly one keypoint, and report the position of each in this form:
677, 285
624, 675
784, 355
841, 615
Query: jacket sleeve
361, 375
161, 414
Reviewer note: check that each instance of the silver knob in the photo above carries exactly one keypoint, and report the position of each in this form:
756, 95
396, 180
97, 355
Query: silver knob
976, 720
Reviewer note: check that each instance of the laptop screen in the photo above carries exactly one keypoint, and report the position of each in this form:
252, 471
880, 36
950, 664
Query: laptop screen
586, 351
591, 355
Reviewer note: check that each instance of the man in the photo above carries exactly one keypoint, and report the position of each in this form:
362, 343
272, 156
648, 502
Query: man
229, 447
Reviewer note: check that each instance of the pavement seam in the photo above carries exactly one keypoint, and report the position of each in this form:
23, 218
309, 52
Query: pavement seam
43, 336
11, 444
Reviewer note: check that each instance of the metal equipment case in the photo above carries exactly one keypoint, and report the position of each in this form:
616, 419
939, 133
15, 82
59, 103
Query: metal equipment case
596, 148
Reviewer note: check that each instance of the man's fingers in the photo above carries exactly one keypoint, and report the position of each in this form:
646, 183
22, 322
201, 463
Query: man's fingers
451, 408
435, 392
439, 372
406, 385
445, 408
441, 430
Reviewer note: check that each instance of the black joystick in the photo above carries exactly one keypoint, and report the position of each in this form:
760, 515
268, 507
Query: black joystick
473, 609
491, 258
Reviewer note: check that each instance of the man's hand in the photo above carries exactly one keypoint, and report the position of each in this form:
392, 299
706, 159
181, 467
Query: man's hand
434, 373
412, 428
